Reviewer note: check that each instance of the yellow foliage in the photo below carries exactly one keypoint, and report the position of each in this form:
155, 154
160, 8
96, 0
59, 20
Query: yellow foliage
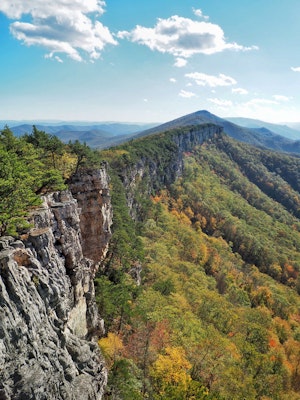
189, 212
172, 368
111, 347
66, 164
203, 253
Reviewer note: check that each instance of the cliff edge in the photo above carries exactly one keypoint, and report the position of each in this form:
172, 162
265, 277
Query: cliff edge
48, 313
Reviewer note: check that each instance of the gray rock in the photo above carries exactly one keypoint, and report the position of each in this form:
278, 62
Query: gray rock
48, 347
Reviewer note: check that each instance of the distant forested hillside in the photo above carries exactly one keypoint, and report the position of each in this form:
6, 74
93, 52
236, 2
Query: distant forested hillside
201, 294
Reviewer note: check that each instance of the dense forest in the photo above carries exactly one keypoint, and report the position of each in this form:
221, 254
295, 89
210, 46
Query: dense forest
200, 290
216, 315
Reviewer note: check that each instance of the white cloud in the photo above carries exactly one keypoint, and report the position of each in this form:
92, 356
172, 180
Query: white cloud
239, 91
295, 69
266, 110
221, 102
211, 80
260, 102
58, 59
182, 37
281, 98
199, 13
42, 9
180, 62
173, 80
186, 94
60, 26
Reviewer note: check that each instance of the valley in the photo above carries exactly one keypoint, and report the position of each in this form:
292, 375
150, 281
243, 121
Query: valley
196, 294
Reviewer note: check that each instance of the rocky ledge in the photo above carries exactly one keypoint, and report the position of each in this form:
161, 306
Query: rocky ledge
49, 320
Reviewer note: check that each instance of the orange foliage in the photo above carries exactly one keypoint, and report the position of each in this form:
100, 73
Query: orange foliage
160, 337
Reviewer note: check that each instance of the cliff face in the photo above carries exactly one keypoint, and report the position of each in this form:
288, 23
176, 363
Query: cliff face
90, 189
154, 172
48, 313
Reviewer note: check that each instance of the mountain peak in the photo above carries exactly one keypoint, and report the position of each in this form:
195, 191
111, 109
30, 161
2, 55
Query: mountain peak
256, 137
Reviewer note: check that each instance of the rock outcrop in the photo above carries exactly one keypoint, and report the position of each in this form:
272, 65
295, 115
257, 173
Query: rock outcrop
153, 172
48, 316
91, 190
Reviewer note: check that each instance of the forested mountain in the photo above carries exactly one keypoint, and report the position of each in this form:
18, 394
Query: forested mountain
199, 290
261, 137
106, 134
217, 252
96, 135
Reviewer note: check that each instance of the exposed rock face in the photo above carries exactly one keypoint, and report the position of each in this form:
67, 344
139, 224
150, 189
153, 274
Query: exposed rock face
153, 176
91, 190
48, 316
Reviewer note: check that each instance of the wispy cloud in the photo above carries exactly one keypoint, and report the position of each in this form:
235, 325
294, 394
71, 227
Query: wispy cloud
295, 69
267, 109
211, 80
281, 98
200, 14
258, 102
239, 91
186, 94
182, 37
60, 26
221, 102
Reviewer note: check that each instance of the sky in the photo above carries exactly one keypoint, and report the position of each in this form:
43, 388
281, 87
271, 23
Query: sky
149, 61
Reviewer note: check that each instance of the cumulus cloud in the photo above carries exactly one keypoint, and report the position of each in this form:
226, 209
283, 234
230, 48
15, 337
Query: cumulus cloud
173, 80
221, 102
61, 26
180, 62
239, 91
211, 80
186, 94
182, 37
295, 69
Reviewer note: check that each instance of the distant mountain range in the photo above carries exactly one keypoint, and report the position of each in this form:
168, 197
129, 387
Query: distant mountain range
106, 134
97, 135
258, 136
292, 131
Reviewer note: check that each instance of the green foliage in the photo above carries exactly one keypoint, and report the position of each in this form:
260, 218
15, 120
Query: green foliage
225, 204
124, 381
217, 314
31, 166
85, 156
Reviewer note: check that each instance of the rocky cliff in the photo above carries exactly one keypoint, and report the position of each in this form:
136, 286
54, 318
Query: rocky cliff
49, 319
158, 169
48, 314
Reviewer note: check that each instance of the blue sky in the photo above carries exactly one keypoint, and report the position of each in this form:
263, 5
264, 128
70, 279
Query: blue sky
149, 61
